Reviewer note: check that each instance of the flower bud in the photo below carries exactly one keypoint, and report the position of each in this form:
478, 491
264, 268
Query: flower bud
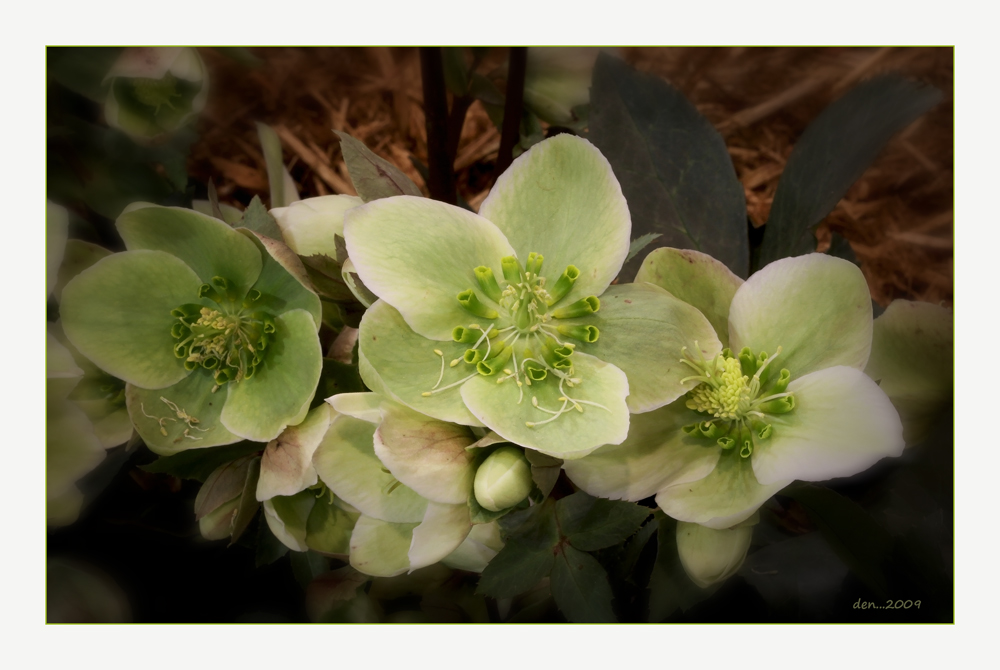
710, 556
309, 225
503, 480
155, 90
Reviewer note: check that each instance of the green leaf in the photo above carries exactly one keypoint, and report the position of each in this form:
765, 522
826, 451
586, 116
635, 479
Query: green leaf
277, 176
258, 219
269, 548
640, 243
832, 154
853, 534
337, 378
580, 588
514, 570
248, 502
200, 463
307, 566
82, 69
534, 527
373, 177
673, 166
595, 523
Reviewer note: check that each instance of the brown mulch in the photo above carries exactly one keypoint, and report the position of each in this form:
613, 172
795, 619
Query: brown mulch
897, 217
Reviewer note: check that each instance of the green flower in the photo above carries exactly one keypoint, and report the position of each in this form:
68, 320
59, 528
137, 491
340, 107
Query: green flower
507, 319
786, 400
212, 329
154, 90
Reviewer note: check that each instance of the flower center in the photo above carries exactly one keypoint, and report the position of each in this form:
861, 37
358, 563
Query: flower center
523, 342
230, 340
731, 391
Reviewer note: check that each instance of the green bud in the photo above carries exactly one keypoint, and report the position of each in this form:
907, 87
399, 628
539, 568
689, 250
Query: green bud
710, 556
503, 480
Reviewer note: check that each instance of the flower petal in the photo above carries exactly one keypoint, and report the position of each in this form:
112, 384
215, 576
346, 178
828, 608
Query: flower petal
281, 389
346, 462
79, 256
656, 454
478, 548
842, 424
643, 329
574, 434
728, 495
329, 529
364, 406
443, 529
117, 314
192, 397
561, 199
709, 556
419, 254
380, 548
912, 360
56, 229
287, 518
286, 466
309, 225
282, 281
816, 307
71, 448
427, 455
209, 247
406, 366
697, 279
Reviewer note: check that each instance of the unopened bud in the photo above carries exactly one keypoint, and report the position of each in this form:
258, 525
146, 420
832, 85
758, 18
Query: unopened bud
503, 480
710, 556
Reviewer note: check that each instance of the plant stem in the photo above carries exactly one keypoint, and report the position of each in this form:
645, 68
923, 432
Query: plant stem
442, 179
511, 132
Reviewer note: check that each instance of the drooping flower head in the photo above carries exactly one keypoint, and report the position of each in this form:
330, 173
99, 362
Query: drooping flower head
505, 319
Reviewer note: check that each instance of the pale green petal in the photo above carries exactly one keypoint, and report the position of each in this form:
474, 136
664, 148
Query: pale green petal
380, 548
697, 279
309, 226
642, 331
710, 556
656, 454
287, 518
561, 199
117, 314
111, 427
364, 406
441, 532
407, 367
191, 397
282, 387
282, 282
230, 214
419, 254
56, 229
329, 529
912, 360
816, 307
71, 448
359, 290
427, 455
842, 424
286, 466
209, 247
59, 362
346, 462
64, 508
79, 256
477, 550
574, 434
728, 495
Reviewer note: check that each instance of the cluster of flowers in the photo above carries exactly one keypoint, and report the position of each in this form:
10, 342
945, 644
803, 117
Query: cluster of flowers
496, 346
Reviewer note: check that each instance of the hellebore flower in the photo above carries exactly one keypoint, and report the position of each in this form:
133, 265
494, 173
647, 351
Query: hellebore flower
912, 360
212, 329
309, 226
154, 90
506, 319
786, 400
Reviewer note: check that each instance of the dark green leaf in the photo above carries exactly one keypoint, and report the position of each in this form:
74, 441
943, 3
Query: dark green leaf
640, 243
853, 534
258, 219
270, 144
480, 514
832, 154
633, 550
82, 69
307, 566
486, 92
841, 248
373, 177
534, 527
673, 166
337, 378
580, 587
515, 569
670, 588
248, 502
269, 548
199, 463
595, 523
340, 244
